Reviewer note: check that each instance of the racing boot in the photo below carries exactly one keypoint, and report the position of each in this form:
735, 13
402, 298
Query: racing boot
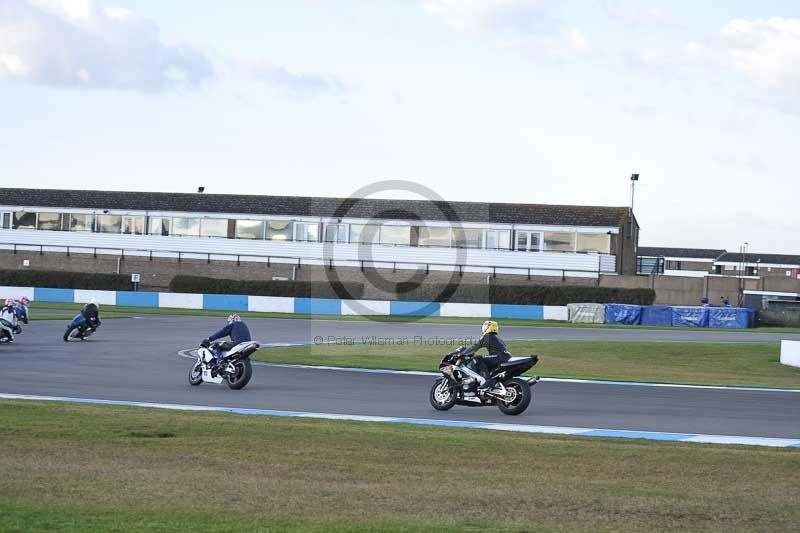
217, 368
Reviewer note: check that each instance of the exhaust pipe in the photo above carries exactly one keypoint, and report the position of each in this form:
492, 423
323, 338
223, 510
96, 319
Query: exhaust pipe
534, 380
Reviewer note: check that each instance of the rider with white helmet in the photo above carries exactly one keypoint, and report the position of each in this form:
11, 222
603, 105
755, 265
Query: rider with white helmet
8, 321
236, 329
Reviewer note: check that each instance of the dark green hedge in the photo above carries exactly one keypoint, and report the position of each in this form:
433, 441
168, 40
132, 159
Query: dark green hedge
65, 280
523, 294
301, 289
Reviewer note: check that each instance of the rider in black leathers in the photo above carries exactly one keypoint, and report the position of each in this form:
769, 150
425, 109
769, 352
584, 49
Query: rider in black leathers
498, 353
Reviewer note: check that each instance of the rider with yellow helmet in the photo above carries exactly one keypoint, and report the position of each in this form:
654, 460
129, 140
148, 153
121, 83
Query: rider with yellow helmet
498, 353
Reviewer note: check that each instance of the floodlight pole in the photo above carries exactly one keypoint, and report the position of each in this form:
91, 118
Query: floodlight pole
634, 179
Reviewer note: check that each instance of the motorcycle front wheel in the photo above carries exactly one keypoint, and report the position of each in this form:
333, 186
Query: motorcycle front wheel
443, 395
70, 334
196, 374
521, 395
241, 376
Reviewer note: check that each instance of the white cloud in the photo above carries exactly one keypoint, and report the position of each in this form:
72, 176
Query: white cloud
526, 25
577, 42
74, 43
767, 51
296, 84
523, 15
636, 12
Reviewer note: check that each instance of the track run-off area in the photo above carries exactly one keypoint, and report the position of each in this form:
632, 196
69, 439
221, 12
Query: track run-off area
137, 360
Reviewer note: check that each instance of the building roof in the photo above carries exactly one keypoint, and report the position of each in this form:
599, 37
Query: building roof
754, 257
688, 253
503, 213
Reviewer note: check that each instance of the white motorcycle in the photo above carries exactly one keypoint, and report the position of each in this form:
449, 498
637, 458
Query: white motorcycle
235, 368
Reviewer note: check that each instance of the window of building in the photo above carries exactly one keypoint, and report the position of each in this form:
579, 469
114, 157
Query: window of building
365, 233
186, 226
594, 242
434, 236
108, 224
497, 239
467, 237
160, 226
214, 227
306, 231
335, 232
133, 225
250, 229
559, 241
752, 271
80, 222
717, 269
24, 220
5, 220
528, 241
279, 230
49, 221
397, 235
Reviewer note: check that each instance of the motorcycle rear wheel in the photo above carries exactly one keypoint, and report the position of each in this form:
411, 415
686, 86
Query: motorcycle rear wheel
244, 371
443, 395
521, 400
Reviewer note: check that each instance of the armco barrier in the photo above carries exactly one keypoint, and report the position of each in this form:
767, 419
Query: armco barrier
656, 315
623, 314
690, 316
730, 317
280, 304
137, 299
715, 317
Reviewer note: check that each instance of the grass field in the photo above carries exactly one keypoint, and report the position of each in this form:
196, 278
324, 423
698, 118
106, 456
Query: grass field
662, 362
42, 310
100, 468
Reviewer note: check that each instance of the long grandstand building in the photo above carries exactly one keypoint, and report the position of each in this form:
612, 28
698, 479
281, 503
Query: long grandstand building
578, 241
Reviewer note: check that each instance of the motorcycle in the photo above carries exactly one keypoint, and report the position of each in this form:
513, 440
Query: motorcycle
80, 328
10, 316
235, 367
459, 384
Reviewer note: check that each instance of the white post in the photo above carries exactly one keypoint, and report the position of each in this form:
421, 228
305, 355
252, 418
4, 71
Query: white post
790, 353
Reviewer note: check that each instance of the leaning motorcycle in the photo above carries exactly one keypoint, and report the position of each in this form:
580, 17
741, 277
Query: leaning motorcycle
459, 384
235, 368
80, 328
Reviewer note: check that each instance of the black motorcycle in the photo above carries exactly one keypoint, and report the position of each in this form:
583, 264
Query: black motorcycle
79, 328
459, 384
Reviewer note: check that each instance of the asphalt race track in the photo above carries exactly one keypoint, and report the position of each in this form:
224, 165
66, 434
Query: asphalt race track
136, 360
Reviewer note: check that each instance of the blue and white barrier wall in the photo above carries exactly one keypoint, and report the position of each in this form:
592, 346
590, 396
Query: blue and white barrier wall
278, 304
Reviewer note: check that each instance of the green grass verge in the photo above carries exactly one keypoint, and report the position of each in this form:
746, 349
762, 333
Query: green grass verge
101, 468
51, 308
754, 364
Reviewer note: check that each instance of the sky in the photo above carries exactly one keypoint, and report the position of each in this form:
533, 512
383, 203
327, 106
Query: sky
532, 101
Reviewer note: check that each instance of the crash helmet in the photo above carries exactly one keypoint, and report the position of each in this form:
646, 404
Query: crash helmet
490, 326
233, 317
9, 301
23, 300
91, 308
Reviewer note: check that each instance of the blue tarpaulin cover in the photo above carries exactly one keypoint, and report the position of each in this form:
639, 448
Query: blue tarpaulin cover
730, 317
690, 316
653, 315
623, 314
